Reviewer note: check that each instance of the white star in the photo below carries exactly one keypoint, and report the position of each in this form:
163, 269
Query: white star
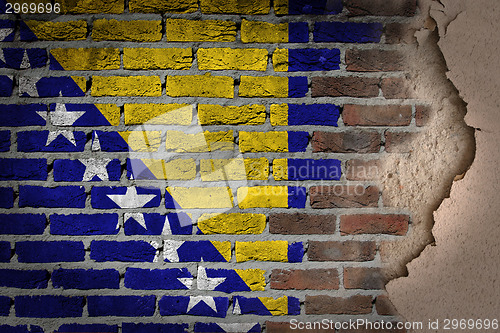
96, 144
42, 114
2, 56
166, 227
236, 327
138, 217
70, 136
27, 85
62, 117
188, 282
25, 63
206, 283
208, 300
236, 307
170, 250
5, 32
131, 199
95, 167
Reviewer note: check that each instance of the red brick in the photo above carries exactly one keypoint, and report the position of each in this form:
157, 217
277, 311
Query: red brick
422, 115
363, 170
323, 304
384, 306
398, 33
391, 224
301, 224
345, 86
381, 7
344, 196
363, 278
284, 327
346, 142
316, 279
374, 60
376, 115
341, 251
400, 142
396, 88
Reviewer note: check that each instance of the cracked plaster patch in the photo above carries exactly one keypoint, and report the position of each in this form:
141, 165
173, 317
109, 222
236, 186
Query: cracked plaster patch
457, 277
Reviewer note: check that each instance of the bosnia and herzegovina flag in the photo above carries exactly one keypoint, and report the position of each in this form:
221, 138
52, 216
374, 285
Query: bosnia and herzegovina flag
217, 306
67, 115
266, 306
230, 280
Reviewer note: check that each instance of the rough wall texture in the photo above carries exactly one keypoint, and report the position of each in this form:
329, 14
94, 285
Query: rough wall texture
463, 264
217, 166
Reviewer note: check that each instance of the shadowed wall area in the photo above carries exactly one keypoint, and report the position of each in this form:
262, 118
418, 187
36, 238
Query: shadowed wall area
223, 166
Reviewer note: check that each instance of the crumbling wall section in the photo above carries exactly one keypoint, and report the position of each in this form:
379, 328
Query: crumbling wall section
462, 263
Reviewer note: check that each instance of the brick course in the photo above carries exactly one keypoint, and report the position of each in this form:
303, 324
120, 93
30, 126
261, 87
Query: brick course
346, 142
341, 251
321, 279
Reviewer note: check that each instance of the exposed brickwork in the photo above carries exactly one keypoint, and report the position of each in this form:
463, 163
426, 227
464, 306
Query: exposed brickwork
345, 86
363, 169
363, 278
381, 7
341, 196
321, 279
354, 305
384, 306
374, 60
422, 115
300, 224
374, 224
346, 142
396, 88
341, 251
377, 115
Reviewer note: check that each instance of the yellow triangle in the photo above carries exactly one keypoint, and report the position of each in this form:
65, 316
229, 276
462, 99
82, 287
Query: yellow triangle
111, 112
145, 141
253, 278
81, 82
224, 249
277, 307
157, 167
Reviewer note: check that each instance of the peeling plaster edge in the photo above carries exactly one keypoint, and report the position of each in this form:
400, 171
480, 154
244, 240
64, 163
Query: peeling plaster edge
439, 28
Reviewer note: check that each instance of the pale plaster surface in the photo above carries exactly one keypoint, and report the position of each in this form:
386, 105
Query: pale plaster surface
458, 276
